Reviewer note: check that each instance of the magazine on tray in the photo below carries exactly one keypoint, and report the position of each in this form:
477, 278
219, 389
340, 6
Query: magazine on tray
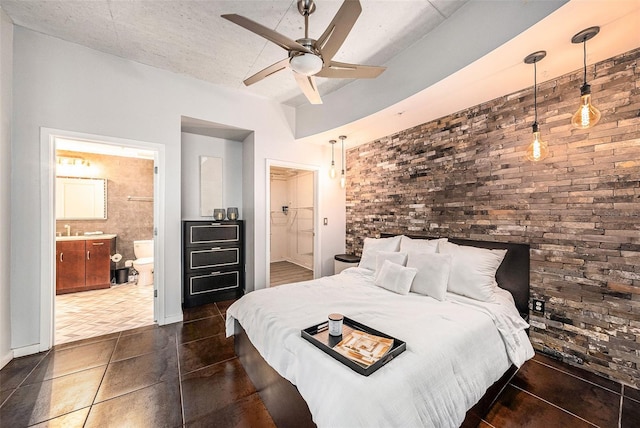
363, 348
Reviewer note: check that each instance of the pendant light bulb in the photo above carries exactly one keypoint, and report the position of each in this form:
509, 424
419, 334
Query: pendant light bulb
343, 181
332, 170
587, 115
538, 149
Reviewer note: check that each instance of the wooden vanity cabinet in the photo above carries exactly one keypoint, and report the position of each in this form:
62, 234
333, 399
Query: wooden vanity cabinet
83, 265
70, 266
98, 263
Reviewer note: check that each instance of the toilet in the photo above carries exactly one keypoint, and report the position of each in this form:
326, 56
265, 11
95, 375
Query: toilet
143, 263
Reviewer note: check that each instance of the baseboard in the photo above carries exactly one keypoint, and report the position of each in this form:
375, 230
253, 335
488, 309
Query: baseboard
4, 360
171, 319
297, 263
26, 350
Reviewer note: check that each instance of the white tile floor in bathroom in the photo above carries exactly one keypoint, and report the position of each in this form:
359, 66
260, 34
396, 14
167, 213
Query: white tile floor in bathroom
93, 313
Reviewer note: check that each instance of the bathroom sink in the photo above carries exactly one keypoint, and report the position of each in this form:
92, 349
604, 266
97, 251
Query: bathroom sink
85, 237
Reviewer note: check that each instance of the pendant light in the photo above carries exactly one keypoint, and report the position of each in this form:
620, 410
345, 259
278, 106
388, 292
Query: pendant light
538, 149
332, 171
587, 115
343, 177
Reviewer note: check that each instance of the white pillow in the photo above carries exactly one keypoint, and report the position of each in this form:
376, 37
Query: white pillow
395, 278
408, 245
393, 256
473, 270
371, 248
433, 273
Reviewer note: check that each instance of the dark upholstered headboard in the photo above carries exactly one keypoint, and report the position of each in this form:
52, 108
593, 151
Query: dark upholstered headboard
513, 273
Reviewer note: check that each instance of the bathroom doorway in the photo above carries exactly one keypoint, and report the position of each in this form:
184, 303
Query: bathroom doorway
292, 224
104, 202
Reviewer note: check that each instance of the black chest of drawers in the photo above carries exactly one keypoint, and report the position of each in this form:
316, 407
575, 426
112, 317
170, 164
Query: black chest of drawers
213, 261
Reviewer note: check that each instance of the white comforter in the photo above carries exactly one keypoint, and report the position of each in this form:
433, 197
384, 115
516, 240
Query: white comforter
455, 350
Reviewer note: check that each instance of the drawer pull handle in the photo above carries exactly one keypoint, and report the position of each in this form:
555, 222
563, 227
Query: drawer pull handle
214, 273
98, 243
215, 224
61, 257
216, 248
88, 255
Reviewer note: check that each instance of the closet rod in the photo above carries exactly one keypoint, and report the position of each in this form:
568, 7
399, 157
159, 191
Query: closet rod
140, 198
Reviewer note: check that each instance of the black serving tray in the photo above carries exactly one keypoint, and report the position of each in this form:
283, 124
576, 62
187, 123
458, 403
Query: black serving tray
322, 340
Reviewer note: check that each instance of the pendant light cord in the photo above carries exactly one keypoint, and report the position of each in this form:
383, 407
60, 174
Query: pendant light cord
584, 56
535, 93
343, 156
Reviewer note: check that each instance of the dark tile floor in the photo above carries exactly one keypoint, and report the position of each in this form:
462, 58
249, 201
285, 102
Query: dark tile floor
186, 374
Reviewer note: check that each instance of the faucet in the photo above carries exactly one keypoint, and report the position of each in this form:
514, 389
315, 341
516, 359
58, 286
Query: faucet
66, 226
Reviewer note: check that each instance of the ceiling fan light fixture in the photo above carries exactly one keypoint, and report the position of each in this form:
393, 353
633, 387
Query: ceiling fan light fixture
309, 58
306, 64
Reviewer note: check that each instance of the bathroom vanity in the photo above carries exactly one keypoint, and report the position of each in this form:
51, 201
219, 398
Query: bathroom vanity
83, 262
213, 266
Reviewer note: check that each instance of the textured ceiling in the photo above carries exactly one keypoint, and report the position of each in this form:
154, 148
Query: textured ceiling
189, 37
465, 52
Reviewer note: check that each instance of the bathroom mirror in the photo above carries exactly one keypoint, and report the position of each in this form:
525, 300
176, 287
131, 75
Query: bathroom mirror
210, 185
81, 198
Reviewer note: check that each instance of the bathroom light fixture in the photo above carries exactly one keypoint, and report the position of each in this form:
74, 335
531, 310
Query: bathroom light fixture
538, 149
72, 161
343, 177
332, 171
587, 115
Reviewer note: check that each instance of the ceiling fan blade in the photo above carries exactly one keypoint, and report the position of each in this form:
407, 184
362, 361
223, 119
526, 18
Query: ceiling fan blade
262, 31
339, 28
273, 68
342, 70
309, 88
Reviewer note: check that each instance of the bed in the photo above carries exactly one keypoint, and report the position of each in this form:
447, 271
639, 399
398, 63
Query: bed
460, 351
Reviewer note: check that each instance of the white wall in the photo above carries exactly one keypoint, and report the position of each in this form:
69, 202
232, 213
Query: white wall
6, 70
194, 146
249, 208
65, 86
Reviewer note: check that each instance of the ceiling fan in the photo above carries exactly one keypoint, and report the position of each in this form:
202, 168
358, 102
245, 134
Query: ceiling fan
308, 57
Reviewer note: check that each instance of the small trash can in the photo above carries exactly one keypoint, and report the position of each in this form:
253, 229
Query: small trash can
122, 275
343, 261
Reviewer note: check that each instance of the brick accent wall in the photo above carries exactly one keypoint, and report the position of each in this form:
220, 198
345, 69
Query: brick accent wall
465, 175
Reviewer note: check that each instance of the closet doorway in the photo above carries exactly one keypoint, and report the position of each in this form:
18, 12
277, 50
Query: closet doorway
292, 223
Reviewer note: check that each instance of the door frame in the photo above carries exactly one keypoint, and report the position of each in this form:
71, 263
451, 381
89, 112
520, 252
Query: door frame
316, 217
48, 137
